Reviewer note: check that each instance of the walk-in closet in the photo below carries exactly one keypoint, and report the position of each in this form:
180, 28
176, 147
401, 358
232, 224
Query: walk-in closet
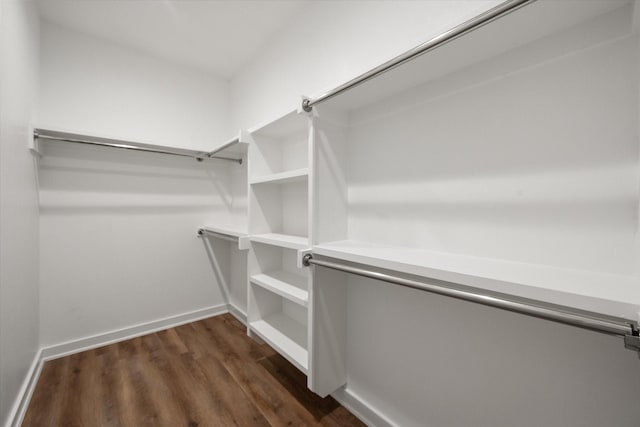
320, 213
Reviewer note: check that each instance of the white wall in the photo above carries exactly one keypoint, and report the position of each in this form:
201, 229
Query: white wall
18, 201
118, 229
333, 42
426, 360
99, 88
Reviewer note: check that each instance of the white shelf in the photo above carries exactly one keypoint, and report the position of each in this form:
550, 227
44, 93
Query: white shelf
296, 175
281, 240
602, 293
233, 146
287, 285
227, 231
286, 336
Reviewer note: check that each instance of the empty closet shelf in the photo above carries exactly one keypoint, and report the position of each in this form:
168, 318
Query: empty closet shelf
287, 285
225, 231
286, 336
608, 294
296, 175
281, 240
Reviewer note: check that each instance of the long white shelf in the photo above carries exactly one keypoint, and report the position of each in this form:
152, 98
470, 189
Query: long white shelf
287, 285
281, 240
608, 294
227, 231
296, 175
286, 336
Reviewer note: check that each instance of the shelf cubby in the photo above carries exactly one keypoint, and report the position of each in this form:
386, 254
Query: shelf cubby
288, 285
280, 146
294, 175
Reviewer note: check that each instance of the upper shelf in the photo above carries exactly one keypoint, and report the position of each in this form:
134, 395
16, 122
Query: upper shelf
231, 234
281, 240
226, 231
235, 147
529, 23
612, 295
282, 177
41, 134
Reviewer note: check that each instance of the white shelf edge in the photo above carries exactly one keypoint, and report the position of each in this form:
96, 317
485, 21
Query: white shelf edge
282, 240
234, 145
280, 282
572, 288
227, 231
295, 175
282, 341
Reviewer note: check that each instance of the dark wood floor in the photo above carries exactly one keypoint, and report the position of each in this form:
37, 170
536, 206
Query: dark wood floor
206, 373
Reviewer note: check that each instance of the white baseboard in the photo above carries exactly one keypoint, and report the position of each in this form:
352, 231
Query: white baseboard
23, 398
238, 314
21, 404
361, 409
99, 340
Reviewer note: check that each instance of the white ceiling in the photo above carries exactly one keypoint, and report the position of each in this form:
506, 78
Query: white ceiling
215, 35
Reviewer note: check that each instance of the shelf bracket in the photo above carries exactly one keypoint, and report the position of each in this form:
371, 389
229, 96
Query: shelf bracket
632, 340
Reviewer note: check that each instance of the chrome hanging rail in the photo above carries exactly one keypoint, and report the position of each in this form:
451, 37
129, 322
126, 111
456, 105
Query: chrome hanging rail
593, 321
202, 232
234, 141
466, 27
43, 134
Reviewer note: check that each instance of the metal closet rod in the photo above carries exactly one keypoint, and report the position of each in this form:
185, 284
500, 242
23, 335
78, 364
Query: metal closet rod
203, 232
466, 27
593, 321
39, 134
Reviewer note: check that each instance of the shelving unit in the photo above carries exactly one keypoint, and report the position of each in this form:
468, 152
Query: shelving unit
278, 290
505, 160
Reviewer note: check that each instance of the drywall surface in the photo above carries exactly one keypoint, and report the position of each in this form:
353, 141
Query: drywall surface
18, 201
426, 360
95, 87
118, 228
118, 238
332, 42
530, 156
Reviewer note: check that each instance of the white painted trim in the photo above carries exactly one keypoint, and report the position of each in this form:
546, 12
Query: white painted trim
99, 340
361, 409
23, 398
237, 313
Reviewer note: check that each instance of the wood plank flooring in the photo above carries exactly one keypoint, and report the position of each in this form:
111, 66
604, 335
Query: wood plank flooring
206, 373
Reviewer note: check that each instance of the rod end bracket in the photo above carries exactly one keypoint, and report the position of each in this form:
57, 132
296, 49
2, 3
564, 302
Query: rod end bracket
306, 259
306, 105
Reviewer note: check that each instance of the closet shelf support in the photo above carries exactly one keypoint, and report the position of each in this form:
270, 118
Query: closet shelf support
624, 328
